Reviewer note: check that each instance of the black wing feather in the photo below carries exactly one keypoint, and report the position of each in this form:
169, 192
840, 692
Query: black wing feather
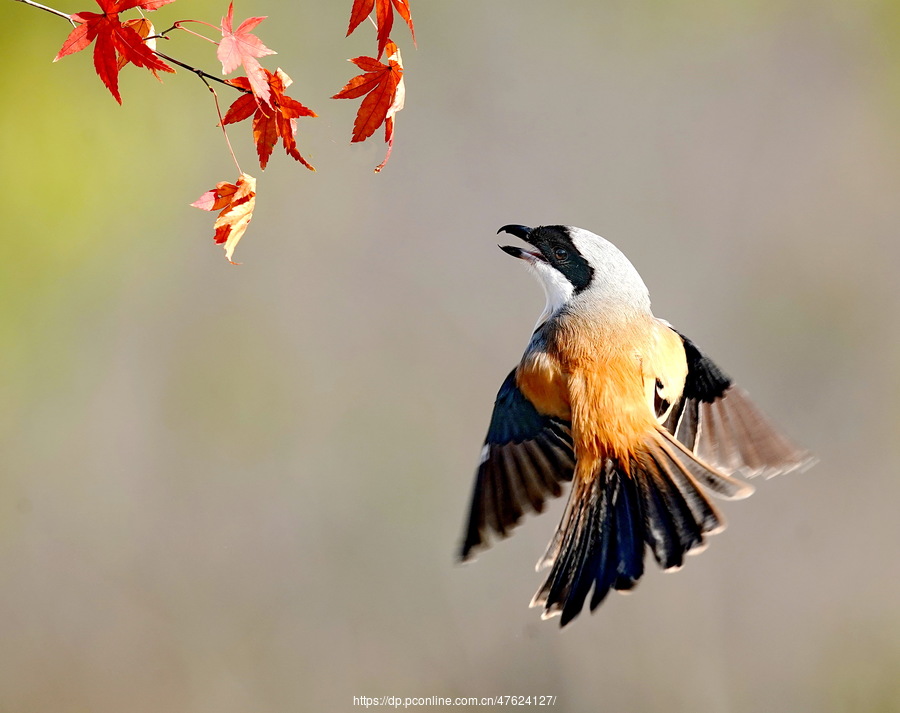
526, 458
718, 422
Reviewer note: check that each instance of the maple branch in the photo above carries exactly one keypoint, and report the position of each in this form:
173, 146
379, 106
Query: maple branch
48, 9
199, 72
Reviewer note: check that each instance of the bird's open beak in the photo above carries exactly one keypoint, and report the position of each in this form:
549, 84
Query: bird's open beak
522, 232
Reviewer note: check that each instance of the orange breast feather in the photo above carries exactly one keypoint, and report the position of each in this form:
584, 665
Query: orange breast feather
542, 381
605, 371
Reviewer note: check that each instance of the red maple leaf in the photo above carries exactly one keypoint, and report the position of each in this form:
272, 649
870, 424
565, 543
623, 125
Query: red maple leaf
236, 201
242, 47
382, 85
277, 120
144, 28
384, 18
114, 39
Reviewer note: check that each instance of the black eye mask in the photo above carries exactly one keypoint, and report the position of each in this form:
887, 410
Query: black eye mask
550, 238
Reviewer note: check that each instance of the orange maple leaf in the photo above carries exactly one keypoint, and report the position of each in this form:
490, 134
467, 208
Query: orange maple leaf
114, 40
278, 120
384, 18
242, 47
382, 85
236, 201
144, 28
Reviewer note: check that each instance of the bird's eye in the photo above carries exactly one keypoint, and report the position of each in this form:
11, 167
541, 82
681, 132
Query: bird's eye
560, 254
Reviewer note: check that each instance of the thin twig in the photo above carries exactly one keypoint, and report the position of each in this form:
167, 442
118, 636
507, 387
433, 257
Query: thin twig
48, 9
222, 121
200, 73
177, 26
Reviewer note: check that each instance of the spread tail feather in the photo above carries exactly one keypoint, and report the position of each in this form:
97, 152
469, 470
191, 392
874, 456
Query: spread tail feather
654, 500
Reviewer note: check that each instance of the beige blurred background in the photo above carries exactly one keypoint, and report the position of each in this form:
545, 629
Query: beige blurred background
232, 489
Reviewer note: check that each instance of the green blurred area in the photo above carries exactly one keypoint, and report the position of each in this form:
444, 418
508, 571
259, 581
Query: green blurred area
240, 488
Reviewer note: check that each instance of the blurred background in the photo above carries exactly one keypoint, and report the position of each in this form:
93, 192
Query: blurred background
230, 489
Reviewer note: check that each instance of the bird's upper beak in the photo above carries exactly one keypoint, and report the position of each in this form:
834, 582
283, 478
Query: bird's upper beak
523, 232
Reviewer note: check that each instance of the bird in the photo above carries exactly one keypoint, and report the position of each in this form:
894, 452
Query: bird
626, 409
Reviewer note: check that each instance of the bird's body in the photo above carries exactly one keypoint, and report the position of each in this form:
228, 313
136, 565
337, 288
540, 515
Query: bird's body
602, 378
614, 399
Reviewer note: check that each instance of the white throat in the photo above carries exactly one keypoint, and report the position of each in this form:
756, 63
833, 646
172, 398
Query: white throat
557, 289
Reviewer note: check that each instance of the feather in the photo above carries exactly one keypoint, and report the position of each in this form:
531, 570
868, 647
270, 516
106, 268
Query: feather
514, 499
605, 571
527, 457
704, 514
719, 483
660, 530
529, 489
630, 533
758, 441
568, 545
718, 422
687, 530
614, 513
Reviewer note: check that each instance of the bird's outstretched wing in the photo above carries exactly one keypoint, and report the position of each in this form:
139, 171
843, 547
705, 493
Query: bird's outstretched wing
526, 458
717, 420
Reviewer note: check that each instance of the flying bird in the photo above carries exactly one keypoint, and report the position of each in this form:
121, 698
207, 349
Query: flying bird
629, 410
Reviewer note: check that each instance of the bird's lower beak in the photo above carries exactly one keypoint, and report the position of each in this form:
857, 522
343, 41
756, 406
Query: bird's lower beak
523, 232
514, 251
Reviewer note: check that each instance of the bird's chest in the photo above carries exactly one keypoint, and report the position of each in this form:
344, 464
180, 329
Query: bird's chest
555, 370
597, 378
